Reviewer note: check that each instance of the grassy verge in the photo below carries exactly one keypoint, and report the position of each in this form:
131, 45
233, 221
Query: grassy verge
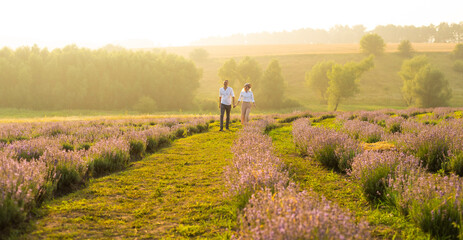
386, 223
176, 193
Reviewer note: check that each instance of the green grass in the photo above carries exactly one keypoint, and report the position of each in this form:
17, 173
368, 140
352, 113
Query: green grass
379, 88
176, 193
385, 223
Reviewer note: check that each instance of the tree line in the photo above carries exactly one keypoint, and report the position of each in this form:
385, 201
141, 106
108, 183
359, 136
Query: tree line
113, 78
109, 78
444, 32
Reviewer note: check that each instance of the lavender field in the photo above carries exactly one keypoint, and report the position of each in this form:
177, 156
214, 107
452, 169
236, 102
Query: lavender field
331, 175
420, 175
40, 161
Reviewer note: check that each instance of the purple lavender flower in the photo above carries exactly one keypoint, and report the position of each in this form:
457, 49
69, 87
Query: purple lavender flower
364, 131
285, 213
254, 166
372, 169
333, 149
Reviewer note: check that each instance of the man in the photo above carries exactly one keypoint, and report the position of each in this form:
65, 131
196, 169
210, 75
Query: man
226, 95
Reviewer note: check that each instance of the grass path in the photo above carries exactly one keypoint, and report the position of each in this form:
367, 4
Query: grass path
173, 194
386, 223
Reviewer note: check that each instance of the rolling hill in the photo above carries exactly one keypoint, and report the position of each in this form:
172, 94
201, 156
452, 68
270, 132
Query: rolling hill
379, 88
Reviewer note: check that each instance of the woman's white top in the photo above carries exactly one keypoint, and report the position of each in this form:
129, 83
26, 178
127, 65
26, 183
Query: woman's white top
246, 96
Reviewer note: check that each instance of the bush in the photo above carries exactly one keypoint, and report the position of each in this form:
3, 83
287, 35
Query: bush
333, 149
373, 138
108, 163
374, 186
431, 144
163, 141
29, 155
434, 155
68, 181
395, 128
456, 164
21, 182
290, 214
192, 130
372, 169
151, 144
202, 127
137, 149
288, 119
179, 133
323, 118
85, 146
270, 127
326, 155
372, 44
11, 213
67, 147
441, 219
155, 143
363, 130
405, 48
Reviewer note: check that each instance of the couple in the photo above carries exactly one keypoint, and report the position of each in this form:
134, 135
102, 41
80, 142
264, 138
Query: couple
226, 95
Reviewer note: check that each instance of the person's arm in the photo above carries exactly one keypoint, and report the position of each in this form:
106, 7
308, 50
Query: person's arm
220, 98
233, 96
239, 100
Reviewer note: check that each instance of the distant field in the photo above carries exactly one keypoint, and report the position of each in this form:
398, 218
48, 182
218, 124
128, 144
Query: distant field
299, 49
379, 88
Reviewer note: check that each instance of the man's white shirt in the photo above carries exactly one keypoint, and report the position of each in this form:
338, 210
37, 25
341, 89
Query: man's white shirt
226, 95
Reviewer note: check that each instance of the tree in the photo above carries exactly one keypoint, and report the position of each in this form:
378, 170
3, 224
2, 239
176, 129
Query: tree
247, 70
457, 31
317, 78
250, 71
343, 82
408, 72
424, 86
107, 78
458, 51
229, 71
443, 33
272, 92
405, 48
372, 44
431, 89
199, 55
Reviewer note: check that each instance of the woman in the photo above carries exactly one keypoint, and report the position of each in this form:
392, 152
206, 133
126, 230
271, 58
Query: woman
246, 97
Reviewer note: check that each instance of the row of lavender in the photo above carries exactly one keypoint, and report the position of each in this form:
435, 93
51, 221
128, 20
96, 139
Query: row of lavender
274, 208
411, 131
436, 138
42, 160
404, 178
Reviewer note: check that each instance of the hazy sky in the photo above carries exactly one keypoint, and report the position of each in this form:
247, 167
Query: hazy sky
95, 23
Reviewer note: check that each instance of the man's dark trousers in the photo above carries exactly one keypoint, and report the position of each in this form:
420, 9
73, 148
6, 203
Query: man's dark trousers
224, 108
